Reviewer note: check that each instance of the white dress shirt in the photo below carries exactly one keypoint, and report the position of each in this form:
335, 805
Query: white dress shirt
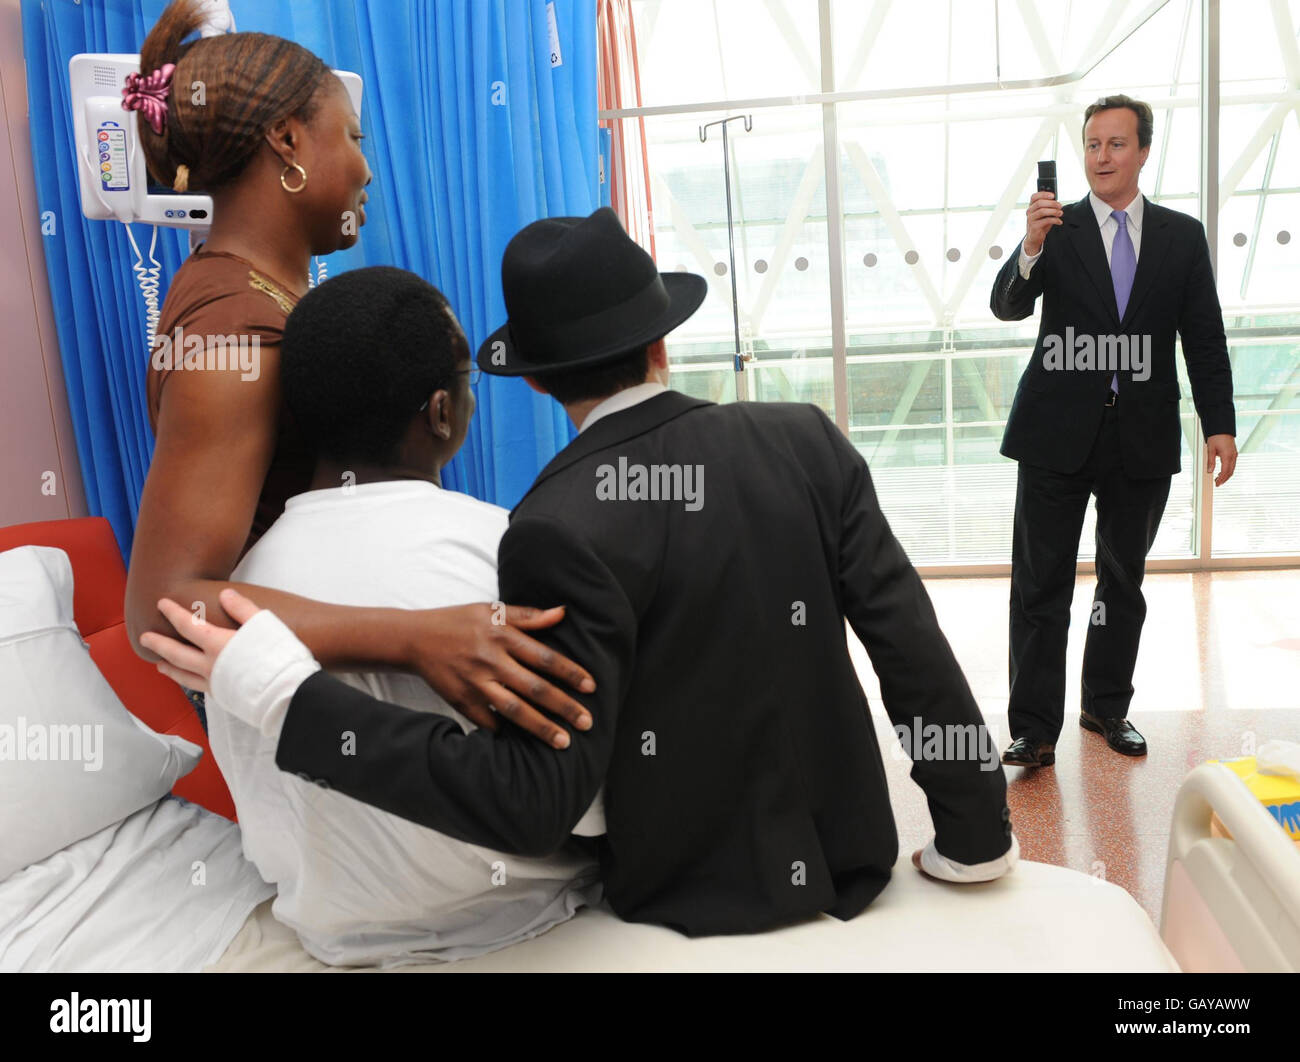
1108, 226
255, 677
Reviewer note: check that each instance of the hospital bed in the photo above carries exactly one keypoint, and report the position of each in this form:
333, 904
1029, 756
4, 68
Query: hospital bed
1232, 894
105, 901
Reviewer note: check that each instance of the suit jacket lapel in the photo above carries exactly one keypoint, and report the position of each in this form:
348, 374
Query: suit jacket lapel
618, 427
1155, 245
1085, 238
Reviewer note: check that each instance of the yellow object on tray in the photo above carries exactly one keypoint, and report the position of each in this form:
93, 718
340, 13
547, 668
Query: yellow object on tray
1279, 794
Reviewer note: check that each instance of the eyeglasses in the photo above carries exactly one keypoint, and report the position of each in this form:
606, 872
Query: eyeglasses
474, 375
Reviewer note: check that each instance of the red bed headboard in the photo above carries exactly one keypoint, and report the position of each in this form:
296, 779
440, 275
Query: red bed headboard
98, 603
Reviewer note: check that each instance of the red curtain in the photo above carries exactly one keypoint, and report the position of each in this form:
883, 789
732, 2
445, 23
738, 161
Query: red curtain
628, 168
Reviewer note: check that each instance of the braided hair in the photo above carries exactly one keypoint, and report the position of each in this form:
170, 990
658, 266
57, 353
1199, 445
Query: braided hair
227, 91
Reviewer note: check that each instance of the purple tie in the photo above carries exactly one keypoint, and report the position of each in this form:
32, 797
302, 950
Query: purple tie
1123, 265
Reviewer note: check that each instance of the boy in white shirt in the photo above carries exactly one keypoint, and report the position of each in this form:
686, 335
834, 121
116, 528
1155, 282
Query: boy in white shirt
377, 374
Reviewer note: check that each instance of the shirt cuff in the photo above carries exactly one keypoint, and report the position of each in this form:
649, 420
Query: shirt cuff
1027, 261
946, 870
256, 675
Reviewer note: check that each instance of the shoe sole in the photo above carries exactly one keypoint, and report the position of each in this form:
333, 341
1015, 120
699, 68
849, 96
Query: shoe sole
1098, 730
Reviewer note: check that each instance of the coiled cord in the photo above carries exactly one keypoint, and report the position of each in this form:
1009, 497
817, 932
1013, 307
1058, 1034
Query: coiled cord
148, 280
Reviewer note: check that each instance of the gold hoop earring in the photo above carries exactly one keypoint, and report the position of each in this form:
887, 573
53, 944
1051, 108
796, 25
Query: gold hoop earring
293, 166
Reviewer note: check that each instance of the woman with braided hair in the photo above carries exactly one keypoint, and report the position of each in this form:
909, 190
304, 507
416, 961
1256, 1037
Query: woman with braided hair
261, 125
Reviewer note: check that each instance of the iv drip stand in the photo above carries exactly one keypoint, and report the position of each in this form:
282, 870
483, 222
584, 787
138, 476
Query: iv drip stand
739, 360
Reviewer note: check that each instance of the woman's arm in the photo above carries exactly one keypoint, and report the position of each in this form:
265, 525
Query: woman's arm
216, 435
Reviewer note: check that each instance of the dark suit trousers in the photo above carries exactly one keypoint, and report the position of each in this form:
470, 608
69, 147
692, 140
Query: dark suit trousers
1050, 509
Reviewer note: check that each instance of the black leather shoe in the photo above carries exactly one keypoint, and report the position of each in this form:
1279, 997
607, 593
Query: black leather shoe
1120, 734
1024, 752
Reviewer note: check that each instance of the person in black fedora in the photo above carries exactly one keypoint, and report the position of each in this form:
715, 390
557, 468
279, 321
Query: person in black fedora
708, 557
577, 298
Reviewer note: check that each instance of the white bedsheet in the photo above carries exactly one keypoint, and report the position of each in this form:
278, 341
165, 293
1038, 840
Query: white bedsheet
164, 890
1038, 918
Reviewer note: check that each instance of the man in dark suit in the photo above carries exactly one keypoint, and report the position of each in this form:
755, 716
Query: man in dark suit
708, 557
1096, 413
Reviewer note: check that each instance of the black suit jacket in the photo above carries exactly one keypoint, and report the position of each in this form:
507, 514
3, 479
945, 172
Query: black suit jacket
1056, 413
744, 785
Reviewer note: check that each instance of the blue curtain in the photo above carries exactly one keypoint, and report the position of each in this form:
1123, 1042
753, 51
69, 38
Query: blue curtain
471, 133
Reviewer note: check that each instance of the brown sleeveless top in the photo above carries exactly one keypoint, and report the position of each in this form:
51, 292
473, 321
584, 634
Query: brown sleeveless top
217, 293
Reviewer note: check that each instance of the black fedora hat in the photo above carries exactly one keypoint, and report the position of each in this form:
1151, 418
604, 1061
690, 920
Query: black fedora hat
578, 292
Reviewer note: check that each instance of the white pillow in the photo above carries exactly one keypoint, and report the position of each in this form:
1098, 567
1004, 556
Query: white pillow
73, 760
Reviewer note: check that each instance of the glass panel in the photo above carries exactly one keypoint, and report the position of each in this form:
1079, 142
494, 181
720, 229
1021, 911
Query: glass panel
715, 381
876, 44
899, 448
984, 386
1258, 510
1261, 514
690, 52
977, 445
799, 377
892, 391
778, 202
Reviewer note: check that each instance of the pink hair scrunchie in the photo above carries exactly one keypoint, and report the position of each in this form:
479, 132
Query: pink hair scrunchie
149, 94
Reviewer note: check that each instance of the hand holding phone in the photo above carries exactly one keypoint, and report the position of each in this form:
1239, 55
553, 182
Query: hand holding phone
1044, 211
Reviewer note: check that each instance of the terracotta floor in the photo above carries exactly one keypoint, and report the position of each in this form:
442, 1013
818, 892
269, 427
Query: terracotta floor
1217, 675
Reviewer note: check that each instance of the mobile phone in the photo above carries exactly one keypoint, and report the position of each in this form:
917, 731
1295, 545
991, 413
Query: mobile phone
1047, 177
